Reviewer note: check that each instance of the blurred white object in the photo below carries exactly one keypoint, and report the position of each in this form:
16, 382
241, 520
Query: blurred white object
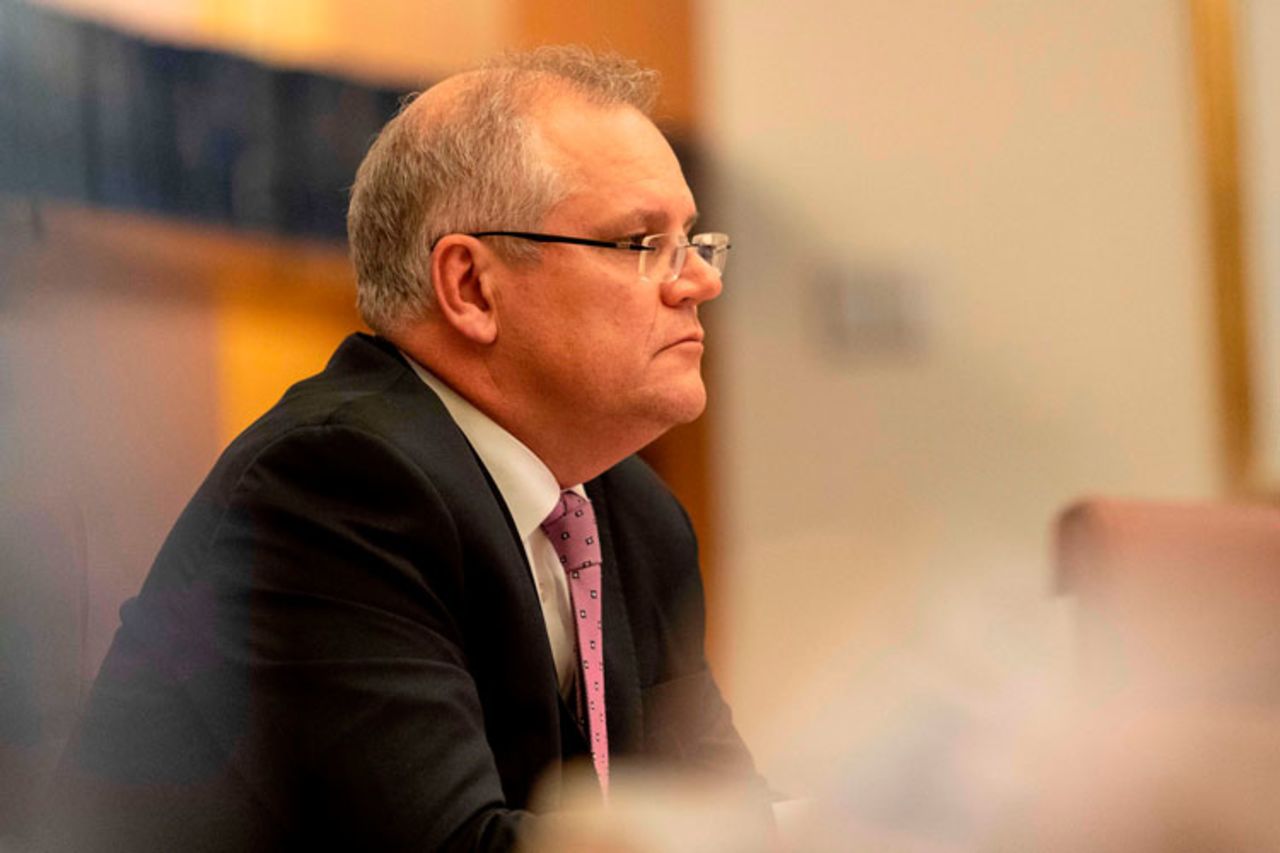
655, 812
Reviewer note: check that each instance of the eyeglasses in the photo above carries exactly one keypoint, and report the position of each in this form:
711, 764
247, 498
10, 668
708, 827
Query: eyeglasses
662, 256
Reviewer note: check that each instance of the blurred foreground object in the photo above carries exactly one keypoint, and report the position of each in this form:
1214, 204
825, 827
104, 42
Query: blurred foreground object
652, 811
1154, 726
1176, 745
43, 602
1176, 602
1135, 778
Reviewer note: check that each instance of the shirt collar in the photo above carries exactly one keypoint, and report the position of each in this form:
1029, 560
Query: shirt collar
527, 485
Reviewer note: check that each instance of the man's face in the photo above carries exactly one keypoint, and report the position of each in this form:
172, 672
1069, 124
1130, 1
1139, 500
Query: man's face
586, 334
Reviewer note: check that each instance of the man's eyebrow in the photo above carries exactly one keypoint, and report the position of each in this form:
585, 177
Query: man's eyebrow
649, 220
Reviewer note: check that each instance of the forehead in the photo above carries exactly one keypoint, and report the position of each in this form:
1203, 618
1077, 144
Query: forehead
616, 162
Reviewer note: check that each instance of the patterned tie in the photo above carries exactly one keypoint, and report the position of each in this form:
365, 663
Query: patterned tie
571, 527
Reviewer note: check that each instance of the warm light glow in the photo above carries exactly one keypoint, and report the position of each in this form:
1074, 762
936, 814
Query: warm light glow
263, 347
397, 41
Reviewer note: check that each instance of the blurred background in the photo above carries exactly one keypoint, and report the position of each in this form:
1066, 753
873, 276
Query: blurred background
990, 256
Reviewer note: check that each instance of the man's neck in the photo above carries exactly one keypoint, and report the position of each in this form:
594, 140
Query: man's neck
572, 453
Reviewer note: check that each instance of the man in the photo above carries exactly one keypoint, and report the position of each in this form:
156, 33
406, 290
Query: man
374, 624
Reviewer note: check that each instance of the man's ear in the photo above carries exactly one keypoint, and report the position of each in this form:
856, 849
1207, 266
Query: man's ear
461, 276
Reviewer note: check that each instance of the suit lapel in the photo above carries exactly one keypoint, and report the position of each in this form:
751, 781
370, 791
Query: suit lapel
510, 655
492, 539
508, 652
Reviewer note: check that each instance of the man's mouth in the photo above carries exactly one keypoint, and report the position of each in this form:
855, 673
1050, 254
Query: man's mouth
691, 338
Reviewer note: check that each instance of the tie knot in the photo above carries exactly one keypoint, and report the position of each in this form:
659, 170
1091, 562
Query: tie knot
571, 527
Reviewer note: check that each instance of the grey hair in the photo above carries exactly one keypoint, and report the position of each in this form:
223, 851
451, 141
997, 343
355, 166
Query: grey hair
470, 166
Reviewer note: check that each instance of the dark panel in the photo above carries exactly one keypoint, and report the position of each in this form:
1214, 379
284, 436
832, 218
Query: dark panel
92, 115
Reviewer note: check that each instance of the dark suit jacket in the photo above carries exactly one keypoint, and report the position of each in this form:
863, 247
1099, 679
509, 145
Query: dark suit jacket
340, 643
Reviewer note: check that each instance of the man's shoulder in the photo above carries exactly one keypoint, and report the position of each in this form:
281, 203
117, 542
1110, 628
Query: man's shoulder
365, 395
366, 386
364, 383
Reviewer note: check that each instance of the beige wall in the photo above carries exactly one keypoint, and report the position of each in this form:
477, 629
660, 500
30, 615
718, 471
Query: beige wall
1030, 173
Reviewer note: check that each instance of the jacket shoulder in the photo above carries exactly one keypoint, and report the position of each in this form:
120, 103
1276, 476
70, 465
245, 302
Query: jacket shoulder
366, 388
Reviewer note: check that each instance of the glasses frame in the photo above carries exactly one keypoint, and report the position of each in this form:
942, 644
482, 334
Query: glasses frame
710, 240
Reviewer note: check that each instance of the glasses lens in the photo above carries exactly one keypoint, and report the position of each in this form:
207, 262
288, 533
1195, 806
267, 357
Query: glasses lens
664, 262
713, 248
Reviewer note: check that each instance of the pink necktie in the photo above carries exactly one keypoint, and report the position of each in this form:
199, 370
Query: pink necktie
571, 527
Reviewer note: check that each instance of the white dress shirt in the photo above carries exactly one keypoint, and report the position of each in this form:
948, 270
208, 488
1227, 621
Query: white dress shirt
530, 492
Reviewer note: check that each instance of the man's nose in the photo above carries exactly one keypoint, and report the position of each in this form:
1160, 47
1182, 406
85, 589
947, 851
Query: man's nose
698, 282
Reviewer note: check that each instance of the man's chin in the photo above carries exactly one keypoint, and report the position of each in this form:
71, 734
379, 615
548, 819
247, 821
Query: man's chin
672, 405
688, 405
